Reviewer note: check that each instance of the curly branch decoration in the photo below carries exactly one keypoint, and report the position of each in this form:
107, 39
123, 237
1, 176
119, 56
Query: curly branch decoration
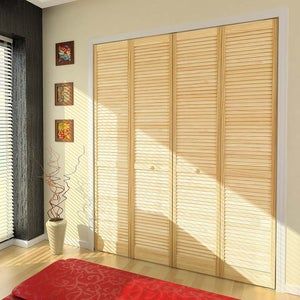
58, 190
67, 176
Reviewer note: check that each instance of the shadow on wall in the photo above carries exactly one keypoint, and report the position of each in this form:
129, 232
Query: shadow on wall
248, 210
186, 260
78, 202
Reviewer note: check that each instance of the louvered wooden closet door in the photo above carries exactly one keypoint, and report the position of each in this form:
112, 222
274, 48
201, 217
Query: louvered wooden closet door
249, 139
151, 115
111, 146
195, 150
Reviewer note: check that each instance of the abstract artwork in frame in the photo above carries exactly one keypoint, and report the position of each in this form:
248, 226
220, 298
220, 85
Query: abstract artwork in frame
64, 94
64, 130
64, 53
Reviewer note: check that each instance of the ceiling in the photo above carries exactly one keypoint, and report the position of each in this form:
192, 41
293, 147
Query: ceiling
48, 3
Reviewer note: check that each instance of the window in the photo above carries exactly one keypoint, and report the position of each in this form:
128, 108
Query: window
6, 140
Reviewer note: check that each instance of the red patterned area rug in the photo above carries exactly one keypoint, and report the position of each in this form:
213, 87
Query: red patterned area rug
78, 279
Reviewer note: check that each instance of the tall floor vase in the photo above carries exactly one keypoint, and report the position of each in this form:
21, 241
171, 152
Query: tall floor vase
56, 234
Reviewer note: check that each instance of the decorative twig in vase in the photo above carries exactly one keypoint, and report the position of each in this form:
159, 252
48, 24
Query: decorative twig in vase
59, 187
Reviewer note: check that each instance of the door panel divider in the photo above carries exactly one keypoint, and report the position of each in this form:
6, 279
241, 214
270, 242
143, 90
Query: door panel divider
131, 150
220, 163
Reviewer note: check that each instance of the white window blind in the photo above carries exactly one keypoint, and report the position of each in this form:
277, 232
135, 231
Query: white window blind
6, 141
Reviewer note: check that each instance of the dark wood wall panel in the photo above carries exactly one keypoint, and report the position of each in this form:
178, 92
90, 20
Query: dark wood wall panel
22, 21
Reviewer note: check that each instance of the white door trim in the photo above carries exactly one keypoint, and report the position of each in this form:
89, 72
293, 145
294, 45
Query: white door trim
282, 152
283, 16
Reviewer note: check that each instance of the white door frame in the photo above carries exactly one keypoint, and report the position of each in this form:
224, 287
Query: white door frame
282, 14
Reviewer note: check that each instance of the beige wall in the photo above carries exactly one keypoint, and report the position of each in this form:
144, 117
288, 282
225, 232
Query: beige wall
84, 20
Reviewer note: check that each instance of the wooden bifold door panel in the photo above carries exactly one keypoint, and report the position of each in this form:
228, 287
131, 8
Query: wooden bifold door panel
111, 69
196, 150
185, 150
249, 143
151, 85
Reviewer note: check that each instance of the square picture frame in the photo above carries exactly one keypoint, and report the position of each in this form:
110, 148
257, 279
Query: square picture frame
64, 131
64, 94
64, 53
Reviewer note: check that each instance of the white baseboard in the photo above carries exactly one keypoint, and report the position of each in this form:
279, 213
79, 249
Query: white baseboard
23, 243
84, 244
27, 244
30, 243
292, 289
6, 244
78, 243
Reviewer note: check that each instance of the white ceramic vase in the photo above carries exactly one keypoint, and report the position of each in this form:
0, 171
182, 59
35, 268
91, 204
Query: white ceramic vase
56, 234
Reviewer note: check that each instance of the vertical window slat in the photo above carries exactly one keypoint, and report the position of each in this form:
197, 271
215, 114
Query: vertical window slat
6, 141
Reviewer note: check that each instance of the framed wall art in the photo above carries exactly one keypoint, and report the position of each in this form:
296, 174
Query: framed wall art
64, 53
64, 130
64, 94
